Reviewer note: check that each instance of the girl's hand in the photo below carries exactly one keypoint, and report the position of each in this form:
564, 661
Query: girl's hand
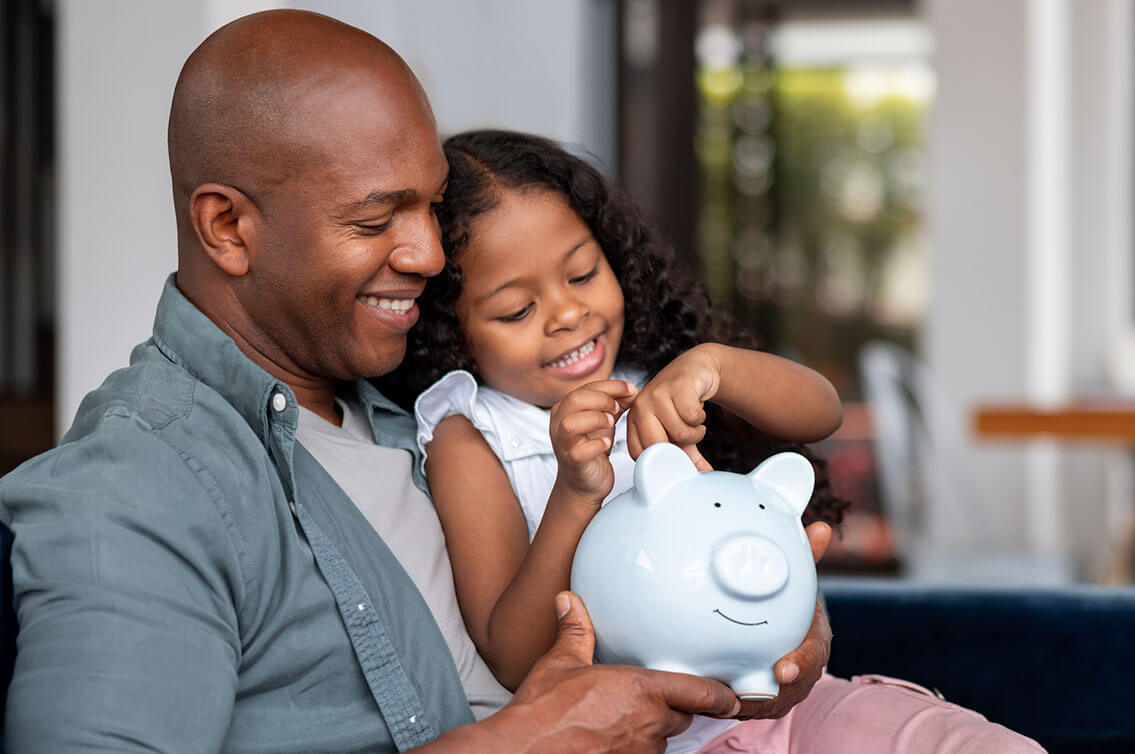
583, 431
671, 406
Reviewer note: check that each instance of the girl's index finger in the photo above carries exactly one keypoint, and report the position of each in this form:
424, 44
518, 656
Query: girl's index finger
621, 391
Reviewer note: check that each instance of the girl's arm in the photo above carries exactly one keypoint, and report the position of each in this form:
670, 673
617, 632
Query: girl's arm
778, 396
505, 587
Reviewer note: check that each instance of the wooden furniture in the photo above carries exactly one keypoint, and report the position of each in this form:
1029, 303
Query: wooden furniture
1100, 421
1105, 421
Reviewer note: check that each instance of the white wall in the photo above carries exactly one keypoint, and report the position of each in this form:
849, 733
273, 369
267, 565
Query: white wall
1031, 261
545, 66
541, 66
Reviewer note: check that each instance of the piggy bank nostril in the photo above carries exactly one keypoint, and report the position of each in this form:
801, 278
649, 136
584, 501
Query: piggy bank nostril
749, 566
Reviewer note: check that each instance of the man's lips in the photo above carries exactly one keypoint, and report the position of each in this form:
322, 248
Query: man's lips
397, 313
396, 305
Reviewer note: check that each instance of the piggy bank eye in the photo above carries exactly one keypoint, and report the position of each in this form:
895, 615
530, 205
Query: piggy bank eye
717, 505
762, 505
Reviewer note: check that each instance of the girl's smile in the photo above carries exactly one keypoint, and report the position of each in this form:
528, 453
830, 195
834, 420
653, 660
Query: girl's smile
541, 310
581, 361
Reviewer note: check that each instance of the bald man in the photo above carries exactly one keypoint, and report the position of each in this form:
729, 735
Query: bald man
187, 576
232, 549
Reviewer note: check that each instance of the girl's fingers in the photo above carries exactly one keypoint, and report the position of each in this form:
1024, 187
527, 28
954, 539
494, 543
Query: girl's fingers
583, 423
587, 450
699, 460
689, 408
672, 426
634, 447
647, 431
605, 396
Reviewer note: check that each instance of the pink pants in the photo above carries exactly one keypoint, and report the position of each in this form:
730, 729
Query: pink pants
871, 714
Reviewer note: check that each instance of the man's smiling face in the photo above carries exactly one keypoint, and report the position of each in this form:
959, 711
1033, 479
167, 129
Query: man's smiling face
349, 233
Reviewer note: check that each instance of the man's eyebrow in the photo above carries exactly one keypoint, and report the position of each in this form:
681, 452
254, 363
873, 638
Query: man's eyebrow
379, 198
509, 283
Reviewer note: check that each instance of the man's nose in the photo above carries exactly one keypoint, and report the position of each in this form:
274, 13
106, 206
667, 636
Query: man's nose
419, 250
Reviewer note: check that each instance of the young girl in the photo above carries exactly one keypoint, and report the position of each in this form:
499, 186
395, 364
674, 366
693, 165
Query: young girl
559, 343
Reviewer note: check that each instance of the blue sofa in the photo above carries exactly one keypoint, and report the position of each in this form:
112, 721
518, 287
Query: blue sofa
1055, 664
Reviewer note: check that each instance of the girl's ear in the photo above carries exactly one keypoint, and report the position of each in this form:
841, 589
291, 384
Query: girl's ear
225, 221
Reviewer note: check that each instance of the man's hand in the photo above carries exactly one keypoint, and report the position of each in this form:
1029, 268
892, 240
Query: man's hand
568, 704
798, 671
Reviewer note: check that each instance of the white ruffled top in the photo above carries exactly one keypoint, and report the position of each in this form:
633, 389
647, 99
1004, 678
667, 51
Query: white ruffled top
518, 434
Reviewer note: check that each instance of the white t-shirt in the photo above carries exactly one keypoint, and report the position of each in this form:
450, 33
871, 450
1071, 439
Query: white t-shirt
379, 483
518, 434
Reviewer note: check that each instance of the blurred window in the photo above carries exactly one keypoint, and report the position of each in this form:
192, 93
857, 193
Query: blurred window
780, 146
809, 144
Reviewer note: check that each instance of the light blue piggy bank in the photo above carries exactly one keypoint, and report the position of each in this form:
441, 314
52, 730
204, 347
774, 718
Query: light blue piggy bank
707, 573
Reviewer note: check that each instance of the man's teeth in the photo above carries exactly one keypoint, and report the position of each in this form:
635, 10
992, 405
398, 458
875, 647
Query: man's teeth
400, 305
574, 356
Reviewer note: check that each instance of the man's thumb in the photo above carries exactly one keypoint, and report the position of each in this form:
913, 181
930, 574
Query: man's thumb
576, 636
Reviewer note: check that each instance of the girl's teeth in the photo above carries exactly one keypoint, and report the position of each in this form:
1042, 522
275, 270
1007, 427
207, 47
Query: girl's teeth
401, 305
575, 355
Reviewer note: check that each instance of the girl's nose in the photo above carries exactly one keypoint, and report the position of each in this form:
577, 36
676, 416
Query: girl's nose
567, 313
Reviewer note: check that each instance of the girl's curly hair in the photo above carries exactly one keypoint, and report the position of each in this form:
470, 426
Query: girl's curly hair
667, 311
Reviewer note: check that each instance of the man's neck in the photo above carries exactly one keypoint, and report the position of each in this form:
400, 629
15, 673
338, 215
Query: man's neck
321, 403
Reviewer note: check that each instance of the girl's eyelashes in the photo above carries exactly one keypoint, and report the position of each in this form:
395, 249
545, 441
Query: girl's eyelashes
584, 278
517, 315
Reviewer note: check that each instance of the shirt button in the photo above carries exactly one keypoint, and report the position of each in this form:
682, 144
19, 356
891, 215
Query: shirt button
279, 402
515, 442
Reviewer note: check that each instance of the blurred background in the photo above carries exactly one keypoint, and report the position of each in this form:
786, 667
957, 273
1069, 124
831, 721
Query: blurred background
929, 202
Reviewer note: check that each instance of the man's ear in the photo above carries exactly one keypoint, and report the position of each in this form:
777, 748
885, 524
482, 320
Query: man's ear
224, 220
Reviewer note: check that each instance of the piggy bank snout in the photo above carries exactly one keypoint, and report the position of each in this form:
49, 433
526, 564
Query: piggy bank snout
749, 566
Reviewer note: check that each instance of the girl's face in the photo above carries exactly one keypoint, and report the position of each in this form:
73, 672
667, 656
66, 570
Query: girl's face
541, 309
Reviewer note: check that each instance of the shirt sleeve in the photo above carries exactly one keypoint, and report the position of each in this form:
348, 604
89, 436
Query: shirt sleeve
126, 584
455, 393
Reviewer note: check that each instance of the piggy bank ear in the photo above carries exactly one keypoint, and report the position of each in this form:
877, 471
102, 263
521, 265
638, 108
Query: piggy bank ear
659, 468
790, 475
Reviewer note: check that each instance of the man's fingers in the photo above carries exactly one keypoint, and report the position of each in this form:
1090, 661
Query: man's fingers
819, 537
699, 696
575, 636
676, 722
807, 661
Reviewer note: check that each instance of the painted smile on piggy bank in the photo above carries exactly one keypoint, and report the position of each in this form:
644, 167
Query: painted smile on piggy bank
740, 622
702, 572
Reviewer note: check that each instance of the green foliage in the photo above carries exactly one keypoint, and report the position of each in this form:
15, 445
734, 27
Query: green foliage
811, 191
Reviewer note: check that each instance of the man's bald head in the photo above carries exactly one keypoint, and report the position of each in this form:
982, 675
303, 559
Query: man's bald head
245, 105
306, 168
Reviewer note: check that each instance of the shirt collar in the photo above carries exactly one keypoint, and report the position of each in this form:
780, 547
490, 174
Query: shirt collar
193, 341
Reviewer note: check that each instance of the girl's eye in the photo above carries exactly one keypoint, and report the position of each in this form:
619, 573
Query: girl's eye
517, 315
584, 278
